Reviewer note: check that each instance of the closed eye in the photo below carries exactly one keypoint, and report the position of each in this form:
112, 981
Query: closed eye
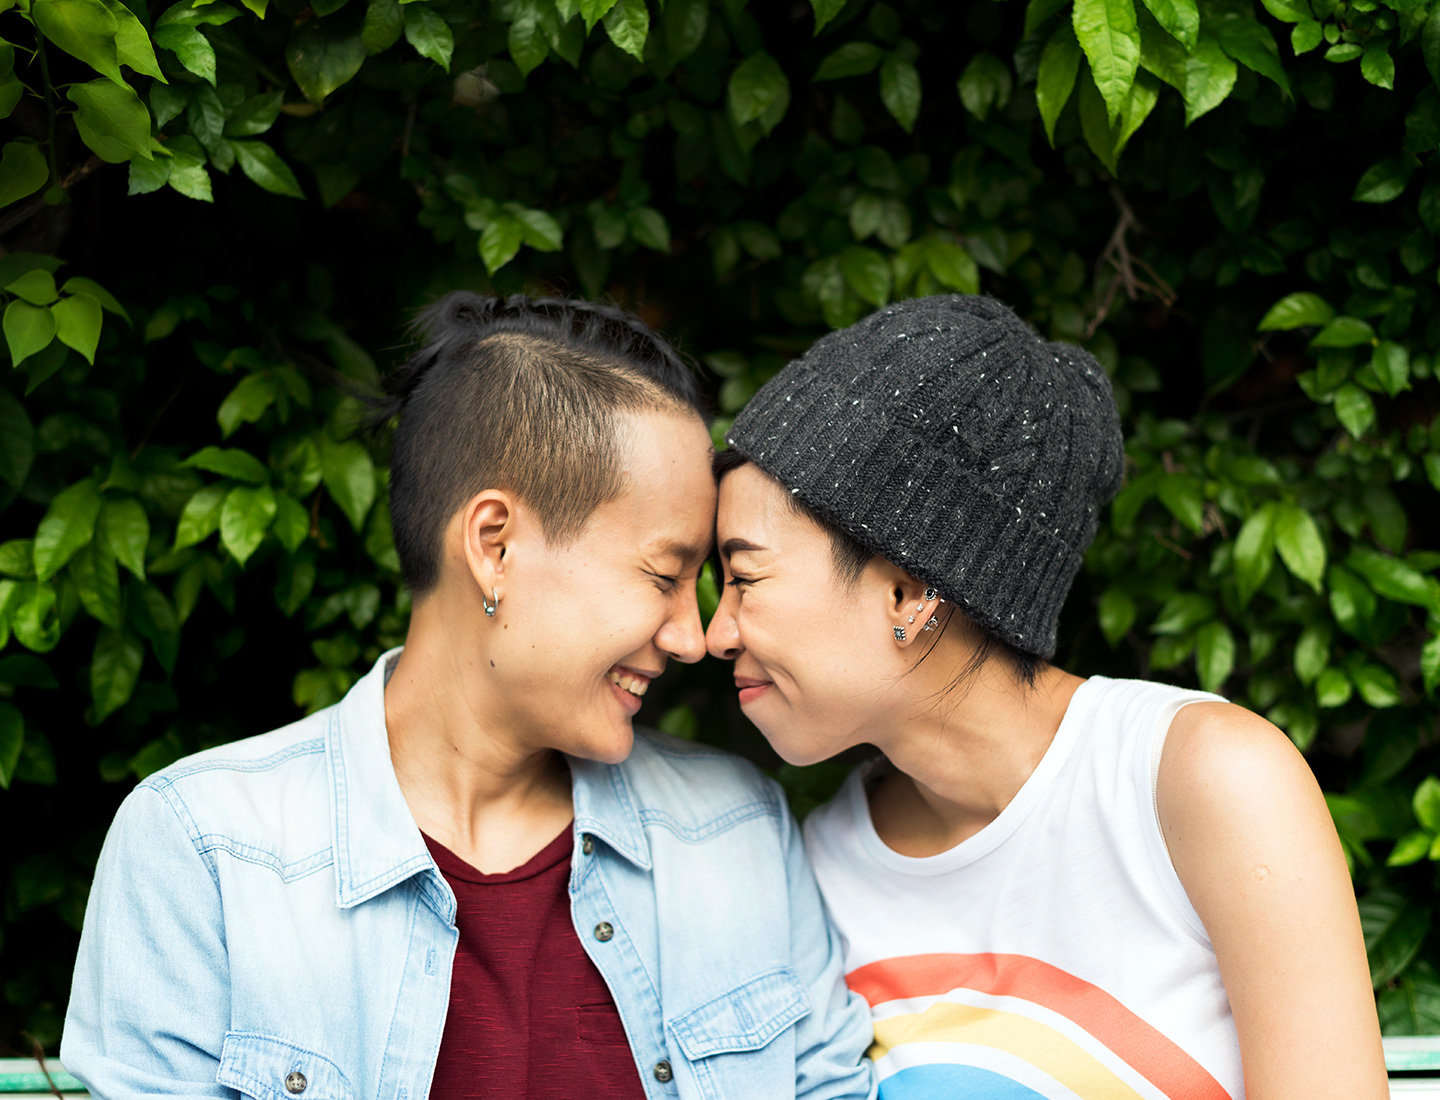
737, 581
668, 582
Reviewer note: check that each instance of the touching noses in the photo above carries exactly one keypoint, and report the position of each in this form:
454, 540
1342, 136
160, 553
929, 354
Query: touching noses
722, 639
681, 636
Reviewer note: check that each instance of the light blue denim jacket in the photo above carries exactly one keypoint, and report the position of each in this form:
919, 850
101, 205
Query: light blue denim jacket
269, 908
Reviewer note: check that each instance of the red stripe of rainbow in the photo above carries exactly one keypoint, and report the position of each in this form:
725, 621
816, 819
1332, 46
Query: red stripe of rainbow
1149, 1052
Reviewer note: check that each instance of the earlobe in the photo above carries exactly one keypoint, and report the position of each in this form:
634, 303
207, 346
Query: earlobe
487, 526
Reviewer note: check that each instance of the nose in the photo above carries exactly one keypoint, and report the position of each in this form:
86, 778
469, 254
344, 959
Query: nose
722, 639
681, 636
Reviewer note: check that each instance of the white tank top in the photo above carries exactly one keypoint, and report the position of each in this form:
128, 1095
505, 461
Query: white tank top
1052, 954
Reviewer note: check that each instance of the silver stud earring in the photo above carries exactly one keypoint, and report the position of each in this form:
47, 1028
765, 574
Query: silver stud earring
490, 607
899, 633
911, 619
930, 594
933, 623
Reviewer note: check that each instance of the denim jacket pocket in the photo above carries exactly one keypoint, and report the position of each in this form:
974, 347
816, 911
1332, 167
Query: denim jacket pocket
744, 1019
268, 1068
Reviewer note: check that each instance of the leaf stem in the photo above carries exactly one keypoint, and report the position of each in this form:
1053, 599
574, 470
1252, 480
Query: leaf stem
49, 108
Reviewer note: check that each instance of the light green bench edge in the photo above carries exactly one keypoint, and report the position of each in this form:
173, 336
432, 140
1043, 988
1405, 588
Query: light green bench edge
1407, 1054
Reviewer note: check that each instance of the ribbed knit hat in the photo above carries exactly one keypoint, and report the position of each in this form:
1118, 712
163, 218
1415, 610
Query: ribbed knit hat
943, 434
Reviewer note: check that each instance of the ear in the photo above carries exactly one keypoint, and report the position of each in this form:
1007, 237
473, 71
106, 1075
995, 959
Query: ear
487, 524
910, 606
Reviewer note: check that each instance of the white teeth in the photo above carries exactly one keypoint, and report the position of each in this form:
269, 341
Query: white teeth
635, 685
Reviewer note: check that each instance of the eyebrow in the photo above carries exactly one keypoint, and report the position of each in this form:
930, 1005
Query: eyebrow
740, 546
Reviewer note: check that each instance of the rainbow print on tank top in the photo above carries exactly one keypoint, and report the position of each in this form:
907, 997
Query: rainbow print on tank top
1011, 1027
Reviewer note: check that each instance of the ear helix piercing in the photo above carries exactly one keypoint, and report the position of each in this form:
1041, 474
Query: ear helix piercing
490, 607
899, 633
933, 623
930, 594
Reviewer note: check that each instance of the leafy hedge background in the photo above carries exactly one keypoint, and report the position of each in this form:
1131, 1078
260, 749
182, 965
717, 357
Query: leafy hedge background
216, 220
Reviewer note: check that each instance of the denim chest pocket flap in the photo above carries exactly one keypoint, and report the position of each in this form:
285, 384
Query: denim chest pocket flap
744, 1019
268, 1068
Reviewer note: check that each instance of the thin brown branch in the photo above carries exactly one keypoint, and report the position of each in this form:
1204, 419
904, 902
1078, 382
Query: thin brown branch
1117, 255
31, 208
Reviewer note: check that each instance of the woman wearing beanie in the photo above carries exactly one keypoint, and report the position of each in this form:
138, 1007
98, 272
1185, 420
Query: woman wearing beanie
1047, 886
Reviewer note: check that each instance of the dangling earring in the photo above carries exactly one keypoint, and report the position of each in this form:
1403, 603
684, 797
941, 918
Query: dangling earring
490, 607
899, 633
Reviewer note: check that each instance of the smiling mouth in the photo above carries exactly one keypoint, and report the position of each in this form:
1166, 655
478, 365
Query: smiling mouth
629, 680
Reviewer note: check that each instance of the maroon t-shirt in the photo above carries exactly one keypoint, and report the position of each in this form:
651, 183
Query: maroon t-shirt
530, 1017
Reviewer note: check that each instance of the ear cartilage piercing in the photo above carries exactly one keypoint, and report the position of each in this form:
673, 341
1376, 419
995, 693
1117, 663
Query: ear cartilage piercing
490, 607
933, 623
899, 633
930, 594
911, 619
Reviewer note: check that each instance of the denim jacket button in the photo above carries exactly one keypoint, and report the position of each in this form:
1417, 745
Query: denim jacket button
296, 1083
603, 931
663, 1073
587, 844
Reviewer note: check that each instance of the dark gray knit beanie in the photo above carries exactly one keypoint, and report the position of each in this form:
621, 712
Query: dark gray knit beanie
943, 434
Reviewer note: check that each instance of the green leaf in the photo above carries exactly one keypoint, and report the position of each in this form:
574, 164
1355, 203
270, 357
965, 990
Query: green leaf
149, 175
1377, 685
1312, 653
1183, 496
263, 166
201, 516
188, 175
292, 522
244, 519
851, 59
1333, 688
1306, 35
246, 403
429, 34
1214, 655
323, 56
192, 13
1410, 848
648, 227
1180, 17
1297, 538
1107, 32
79, 284
28, 329
37, 287
1430, 664
1059, 64
97, 577
1297, 311
628, 25
22, 170
114, 672
826, 10
1430, 44
1385, 181
12, 739
1343, 332
1209, 77
1117, 615
384, 24
68, 524
757, 86
1391, 363
77, 324
867, 273
685, 25
900, 90
1351, 601
985, 83
132, 41
592, 11
229, 462
1249, 42
17, 441
35, 621
155, 619
349, 475
501, 241
124, 529
1377, 66
1288, 11
1254, 552
1393, 578
1183, 612
83, 29
951, 265
191, 47
1355, 409
526, 39
1426, 803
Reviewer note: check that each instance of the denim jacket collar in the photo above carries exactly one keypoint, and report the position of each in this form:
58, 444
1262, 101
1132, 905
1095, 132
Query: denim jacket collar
376, 841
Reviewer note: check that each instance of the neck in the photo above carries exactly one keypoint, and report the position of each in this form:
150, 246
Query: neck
960, 762
472, 784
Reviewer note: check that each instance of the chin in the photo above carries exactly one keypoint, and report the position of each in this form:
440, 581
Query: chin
793, 747
610, 747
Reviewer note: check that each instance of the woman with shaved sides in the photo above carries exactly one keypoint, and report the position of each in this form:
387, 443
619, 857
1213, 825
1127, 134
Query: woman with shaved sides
1046, 886
472, 878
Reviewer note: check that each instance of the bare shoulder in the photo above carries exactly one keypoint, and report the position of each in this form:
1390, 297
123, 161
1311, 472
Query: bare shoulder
1220, 758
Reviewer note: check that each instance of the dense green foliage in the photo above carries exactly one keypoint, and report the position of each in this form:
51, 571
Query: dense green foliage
196, 547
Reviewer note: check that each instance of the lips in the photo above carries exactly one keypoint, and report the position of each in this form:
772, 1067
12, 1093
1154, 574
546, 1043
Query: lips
636, 683
751, 688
